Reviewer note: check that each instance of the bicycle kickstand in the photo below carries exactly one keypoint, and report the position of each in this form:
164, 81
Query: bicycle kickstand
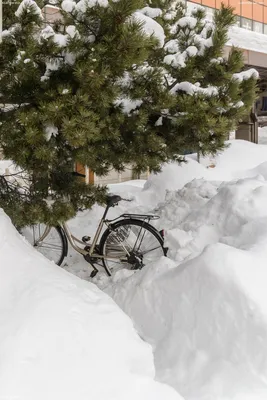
95, 270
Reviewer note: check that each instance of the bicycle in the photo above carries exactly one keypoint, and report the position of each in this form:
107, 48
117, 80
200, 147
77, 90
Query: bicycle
122, 245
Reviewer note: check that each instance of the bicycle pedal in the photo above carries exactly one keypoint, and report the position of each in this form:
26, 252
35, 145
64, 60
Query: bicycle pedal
86, 239
93, 273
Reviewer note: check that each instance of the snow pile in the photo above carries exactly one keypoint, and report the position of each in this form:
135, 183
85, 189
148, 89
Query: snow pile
206, 313
206, 320
263, 135
204, 309
61, 338
239, 160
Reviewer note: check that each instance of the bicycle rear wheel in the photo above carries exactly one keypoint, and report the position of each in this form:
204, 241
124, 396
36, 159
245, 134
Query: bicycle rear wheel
130, 244
48, 240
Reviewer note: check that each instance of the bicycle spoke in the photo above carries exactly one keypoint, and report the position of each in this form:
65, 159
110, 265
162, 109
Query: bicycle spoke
50, 245
136, 241
148, 251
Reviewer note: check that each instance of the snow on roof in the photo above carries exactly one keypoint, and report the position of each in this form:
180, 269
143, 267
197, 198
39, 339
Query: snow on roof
248, 40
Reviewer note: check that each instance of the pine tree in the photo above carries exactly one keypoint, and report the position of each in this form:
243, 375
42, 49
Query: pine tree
110, 83
209, 93
70, 92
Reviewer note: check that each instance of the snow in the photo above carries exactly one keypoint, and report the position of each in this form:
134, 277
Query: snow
52, 65
245, 75
68, 5
62, 338
83, 5
187, 22
150, 27
151, 12
27, 5
246, 39
47, 32
127, 104
206, 320
172, 46
191, 89
60, 39
262, 135
49, 131
204, 309
71, 31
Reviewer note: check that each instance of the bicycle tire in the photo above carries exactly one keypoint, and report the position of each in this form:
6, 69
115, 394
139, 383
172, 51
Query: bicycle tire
130, 222
63, 242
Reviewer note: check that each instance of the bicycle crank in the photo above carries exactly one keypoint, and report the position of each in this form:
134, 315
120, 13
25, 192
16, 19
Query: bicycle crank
90, 261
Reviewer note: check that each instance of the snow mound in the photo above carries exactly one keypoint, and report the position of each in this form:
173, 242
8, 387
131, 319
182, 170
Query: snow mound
207, 321
62, 338
174, 176
238, 160
241, 155
205, 311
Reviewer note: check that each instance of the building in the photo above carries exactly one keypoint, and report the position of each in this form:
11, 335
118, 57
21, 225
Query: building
250, 35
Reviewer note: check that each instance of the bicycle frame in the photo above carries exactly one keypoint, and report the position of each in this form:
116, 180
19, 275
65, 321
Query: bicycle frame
73, 240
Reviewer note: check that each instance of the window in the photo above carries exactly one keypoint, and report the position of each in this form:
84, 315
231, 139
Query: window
257, 27
246, 23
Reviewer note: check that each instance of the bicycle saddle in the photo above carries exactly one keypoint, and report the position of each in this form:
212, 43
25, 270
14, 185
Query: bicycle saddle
112, 200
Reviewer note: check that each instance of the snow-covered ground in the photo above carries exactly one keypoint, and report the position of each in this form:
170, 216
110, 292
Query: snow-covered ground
263, 135
62, 338
203, 309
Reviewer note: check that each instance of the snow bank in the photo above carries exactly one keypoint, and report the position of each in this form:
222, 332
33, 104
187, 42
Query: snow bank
263, 135
205, 314
238, 160
204, 309
62, 338
207, 321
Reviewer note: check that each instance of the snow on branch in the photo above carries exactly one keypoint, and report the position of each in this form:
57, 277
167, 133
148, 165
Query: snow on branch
28, 5
245, 75
150, 27
191, 89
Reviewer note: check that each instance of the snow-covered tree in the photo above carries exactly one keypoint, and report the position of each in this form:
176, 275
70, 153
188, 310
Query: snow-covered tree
210, 94
69, 88
112, 82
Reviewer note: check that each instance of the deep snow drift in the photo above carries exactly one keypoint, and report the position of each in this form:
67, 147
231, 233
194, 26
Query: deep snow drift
206, 313
62, 338
205, 310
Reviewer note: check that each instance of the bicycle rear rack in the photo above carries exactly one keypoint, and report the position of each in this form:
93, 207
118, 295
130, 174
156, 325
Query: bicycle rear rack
149, 217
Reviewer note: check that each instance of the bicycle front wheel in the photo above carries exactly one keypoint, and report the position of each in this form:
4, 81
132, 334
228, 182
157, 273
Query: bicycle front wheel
48, 240
130, 244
